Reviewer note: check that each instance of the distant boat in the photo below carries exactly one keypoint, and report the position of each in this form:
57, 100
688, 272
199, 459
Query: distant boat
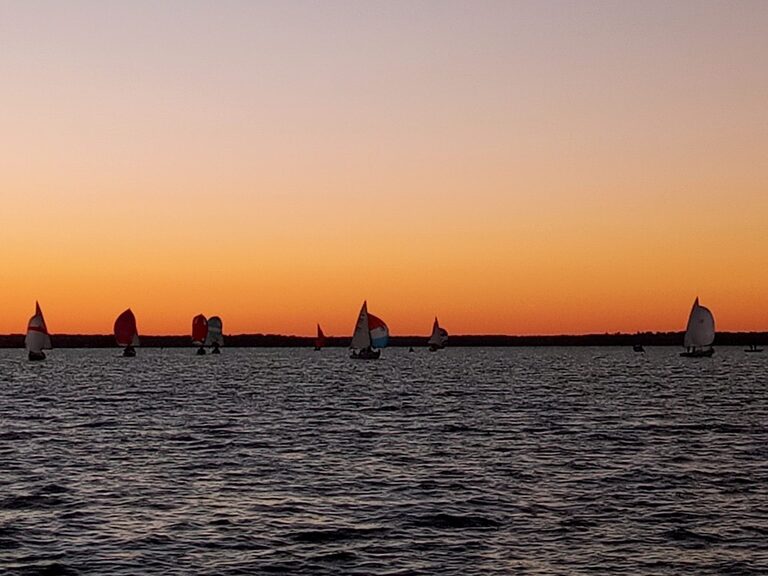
753, 348
371, 334
438, 338
700, 333
638, 348
319, 339
214, 337
126, 333
38, 338
199, 333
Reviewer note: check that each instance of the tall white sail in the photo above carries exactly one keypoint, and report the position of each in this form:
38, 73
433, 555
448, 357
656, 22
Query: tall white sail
37, 338
361, 338
701, 327
215, 337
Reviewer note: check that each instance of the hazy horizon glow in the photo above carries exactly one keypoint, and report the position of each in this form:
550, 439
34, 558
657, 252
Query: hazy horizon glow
511, 167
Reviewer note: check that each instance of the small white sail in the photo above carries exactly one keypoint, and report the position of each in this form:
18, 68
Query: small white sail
37, 338
701, 327
361, 338
439, 336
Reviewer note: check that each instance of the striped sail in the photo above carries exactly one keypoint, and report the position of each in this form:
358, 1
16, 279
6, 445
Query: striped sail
38, 338
379, 331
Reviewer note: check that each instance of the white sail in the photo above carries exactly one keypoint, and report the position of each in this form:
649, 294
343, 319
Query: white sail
37, 338
439, 336
361, 338
215, 337
701, 327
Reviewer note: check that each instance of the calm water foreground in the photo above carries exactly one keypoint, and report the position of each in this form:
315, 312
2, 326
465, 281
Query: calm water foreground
468, 461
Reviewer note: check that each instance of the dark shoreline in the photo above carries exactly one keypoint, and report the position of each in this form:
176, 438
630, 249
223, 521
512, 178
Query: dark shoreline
283, 341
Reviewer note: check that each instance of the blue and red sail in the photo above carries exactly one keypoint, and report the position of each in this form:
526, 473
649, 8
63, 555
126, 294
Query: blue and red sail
379, 331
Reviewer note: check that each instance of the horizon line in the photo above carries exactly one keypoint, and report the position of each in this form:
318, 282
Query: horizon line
311, 336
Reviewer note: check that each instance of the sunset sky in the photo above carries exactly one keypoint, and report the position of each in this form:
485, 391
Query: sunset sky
512, 167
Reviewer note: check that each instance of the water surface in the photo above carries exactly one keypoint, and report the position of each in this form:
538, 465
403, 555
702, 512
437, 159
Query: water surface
466, 461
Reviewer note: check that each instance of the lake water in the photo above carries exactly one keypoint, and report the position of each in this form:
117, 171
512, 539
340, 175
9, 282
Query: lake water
467, 461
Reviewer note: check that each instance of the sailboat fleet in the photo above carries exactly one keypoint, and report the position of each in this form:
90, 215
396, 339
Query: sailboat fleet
369, 337
206, 332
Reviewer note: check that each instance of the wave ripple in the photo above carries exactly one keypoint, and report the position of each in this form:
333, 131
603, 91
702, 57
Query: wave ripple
468, 461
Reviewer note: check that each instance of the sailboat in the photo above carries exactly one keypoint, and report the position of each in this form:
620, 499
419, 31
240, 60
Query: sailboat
37, 338
753, 348
199, 333
371, 334
438, 338
700, 333
214, 337
126, 333
319, 339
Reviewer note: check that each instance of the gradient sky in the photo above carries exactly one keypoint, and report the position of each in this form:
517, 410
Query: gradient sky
513, 167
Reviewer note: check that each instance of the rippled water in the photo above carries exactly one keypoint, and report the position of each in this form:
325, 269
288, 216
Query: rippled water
467, 461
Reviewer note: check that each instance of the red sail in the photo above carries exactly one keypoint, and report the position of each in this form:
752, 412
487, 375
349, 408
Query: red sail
126, 333
320, 340
199, 329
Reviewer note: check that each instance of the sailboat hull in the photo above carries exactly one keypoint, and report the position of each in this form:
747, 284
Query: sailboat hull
365, 354
201, 351
698, 353
34, 356
129, 352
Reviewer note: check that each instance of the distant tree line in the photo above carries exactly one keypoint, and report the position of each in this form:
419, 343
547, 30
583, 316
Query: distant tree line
281, 341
